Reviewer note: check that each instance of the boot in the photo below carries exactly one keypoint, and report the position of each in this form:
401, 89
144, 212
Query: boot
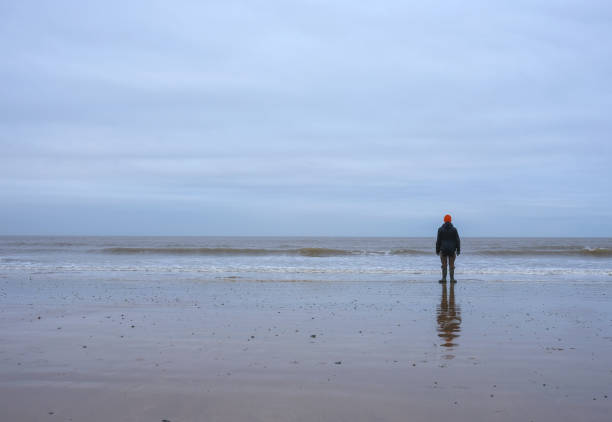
443, 280
452, 275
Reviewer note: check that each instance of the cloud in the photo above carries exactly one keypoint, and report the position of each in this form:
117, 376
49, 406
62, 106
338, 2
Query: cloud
337, 114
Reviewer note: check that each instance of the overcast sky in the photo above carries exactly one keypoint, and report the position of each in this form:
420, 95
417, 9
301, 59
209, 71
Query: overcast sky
306, 117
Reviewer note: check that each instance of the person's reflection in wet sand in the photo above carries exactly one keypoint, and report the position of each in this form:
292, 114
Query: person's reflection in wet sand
449, 320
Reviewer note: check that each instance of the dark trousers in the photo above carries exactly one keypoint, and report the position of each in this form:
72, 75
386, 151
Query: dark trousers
447, 259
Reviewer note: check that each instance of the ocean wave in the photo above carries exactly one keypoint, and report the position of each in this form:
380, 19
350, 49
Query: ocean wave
310, 252
586, 251
246, 270
331, 252
322, 252
409, 252
23, 243
185, 251
15, 260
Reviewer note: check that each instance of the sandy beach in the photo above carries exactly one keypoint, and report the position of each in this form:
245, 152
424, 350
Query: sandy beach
240, 211
230, 350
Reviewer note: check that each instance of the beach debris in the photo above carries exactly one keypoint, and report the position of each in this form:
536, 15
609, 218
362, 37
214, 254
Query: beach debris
165, 420
313, 335
339, 362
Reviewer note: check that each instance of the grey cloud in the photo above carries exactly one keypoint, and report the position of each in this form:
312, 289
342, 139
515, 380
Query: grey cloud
349, 118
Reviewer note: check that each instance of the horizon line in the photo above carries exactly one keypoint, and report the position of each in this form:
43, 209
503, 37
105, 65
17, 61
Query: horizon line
298, 236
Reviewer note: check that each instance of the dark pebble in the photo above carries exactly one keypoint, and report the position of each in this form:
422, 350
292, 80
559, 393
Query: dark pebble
313, 335
338, 362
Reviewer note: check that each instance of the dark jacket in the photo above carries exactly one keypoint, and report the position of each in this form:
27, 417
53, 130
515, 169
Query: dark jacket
448, 240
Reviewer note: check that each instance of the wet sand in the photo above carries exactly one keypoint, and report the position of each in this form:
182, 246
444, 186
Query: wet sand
304, 351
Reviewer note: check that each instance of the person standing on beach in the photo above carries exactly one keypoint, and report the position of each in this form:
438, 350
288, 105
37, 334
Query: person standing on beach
448, 246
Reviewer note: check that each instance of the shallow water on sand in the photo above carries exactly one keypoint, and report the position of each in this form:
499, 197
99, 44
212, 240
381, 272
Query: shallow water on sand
276, 351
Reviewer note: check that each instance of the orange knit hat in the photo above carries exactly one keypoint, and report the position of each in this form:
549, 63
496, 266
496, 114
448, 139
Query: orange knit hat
447, 218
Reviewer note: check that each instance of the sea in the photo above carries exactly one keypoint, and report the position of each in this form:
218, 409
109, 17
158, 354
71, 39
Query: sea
317, 259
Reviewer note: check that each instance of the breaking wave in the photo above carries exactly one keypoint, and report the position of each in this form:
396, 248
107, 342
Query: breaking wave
330, 252
312, 252
410, 252
594, 252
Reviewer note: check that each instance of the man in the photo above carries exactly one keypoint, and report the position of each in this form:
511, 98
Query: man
448, 246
